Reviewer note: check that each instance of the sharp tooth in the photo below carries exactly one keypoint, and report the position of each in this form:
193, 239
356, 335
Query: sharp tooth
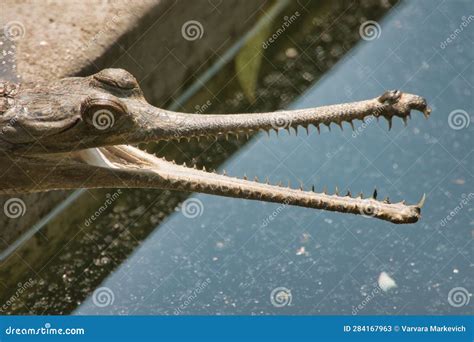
349, 193
374, 196
245, 177
389, 120
340, 125
266, 180
421, 203
352, 125
319, 129
405, 121
255, 179
360, 195
387, 200
307, 130
280, 184
337, 191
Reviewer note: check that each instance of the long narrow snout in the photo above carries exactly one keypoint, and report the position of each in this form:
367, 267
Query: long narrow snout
158, 124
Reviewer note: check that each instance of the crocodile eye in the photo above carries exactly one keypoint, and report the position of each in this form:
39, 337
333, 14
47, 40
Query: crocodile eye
102, 113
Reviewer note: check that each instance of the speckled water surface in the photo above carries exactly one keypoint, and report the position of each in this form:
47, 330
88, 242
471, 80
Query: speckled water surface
231, 256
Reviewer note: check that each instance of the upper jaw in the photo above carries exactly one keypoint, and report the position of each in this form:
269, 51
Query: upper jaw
146, 123
157, 124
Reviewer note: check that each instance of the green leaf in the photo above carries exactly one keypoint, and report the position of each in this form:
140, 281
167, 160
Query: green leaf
249, 59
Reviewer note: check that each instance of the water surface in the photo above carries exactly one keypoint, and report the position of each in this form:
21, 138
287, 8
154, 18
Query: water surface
230, 258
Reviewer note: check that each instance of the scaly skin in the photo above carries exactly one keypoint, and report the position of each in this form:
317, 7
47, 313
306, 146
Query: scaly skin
70, 134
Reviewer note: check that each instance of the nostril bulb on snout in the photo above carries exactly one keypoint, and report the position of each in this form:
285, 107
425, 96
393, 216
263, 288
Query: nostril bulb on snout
390, 96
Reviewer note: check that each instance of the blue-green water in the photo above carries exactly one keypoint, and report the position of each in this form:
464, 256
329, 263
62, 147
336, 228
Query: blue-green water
230, 258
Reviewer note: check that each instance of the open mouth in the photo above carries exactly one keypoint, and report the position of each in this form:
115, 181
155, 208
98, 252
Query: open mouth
136, 168
91, 153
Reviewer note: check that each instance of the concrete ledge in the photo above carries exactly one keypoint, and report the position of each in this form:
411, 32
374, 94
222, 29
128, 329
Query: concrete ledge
59, 39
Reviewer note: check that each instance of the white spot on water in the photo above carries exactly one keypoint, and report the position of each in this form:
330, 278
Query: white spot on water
385, 282
301, 251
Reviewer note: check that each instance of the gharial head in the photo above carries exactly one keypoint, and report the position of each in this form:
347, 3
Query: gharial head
107, 108
80, 126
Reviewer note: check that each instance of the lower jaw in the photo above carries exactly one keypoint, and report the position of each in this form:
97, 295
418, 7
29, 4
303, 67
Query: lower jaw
143, 170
